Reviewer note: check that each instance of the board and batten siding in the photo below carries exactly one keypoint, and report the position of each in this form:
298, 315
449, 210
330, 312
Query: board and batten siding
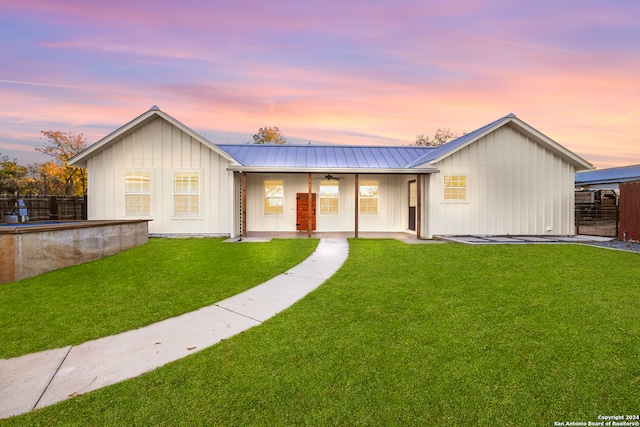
392, 203
515, 186
160, 148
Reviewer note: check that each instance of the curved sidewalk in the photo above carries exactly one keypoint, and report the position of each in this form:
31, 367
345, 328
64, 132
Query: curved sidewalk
41, 379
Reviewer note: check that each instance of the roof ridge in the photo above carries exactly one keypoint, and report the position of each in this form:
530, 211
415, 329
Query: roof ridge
330, 146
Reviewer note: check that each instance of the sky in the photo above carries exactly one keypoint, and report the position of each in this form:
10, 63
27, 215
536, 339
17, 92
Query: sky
343, 72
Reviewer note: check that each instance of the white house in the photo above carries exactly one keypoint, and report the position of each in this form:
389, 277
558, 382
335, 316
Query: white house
504, 178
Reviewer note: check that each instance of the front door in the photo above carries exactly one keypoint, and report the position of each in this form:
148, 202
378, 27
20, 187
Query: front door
303, 210
413, 202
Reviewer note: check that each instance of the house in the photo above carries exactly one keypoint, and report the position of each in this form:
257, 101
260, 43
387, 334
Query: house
503, 178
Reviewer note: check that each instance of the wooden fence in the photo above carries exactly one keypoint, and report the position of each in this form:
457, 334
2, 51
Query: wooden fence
47, 208
629, 211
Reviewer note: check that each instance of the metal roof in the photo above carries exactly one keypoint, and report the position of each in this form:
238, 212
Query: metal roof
610, 175
330, 158
324, 156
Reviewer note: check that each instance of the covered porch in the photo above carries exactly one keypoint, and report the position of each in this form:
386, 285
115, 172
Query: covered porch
345, 203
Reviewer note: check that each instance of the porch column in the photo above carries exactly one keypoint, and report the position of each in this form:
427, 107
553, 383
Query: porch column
418, 204
357, 193
309, 215
243, 202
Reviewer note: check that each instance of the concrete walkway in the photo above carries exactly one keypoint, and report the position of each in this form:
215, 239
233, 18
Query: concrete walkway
40, 379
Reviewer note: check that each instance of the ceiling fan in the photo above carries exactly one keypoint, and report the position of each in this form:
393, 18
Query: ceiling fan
329, 177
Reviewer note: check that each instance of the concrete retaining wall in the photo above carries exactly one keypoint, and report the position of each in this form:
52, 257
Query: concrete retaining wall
30, 250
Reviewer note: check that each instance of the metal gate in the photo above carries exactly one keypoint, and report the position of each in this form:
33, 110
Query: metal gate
597, 220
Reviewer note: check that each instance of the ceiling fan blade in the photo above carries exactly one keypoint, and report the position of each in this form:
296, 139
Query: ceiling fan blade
329, 177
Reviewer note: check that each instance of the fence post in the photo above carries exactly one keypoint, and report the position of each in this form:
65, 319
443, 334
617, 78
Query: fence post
85, 210
53, 208
577, 221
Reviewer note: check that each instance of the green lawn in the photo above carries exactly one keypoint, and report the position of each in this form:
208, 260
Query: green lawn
164, 278
411, 335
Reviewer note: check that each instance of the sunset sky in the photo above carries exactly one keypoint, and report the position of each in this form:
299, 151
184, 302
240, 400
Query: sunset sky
343, 72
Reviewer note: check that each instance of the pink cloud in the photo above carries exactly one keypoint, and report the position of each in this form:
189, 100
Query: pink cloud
358, 71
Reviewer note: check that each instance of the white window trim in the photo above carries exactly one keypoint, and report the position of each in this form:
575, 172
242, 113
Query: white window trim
360, 181
262, 196
124, 193
319, 209
199, 194
455, 201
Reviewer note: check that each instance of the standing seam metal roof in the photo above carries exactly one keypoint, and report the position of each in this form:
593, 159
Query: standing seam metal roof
324, 156
610, 175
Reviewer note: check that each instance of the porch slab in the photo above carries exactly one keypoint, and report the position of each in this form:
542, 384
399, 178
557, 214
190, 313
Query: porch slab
406, 237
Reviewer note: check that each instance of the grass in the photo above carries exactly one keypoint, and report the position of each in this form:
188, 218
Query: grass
411, 335
162, 279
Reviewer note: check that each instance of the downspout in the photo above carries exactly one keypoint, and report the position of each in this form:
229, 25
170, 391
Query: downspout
357, 193
309, 205
418, 206
243, 207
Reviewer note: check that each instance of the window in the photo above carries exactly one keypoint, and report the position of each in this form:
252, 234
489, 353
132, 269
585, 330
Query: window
368, 197
329, 196
273, 197
186, 193
413, 194
455, 187
137, 193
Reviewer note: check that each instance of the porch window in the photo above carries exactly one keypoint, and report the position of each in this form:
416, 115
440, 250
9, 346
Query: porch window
455, 187
413, 194
329, 196
186, 193
369, 197
137, 193
273, 197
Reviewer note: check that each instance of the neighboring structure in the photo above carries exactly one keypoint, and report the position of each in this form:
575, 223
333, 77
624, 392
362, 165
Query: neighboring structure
607, 202
602, 187
614, 186
504, 178
607, 179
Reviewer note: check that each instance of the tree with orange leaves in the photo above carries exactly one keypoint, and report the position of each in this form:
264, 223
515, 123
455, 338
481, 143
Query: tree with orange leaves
269, 135
62, 146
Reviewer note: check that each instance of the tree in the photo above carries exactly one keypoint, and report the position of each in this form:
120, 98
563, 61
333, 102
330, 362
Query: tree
442, 136
45, 179
269, 135
12, 175
62, 146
